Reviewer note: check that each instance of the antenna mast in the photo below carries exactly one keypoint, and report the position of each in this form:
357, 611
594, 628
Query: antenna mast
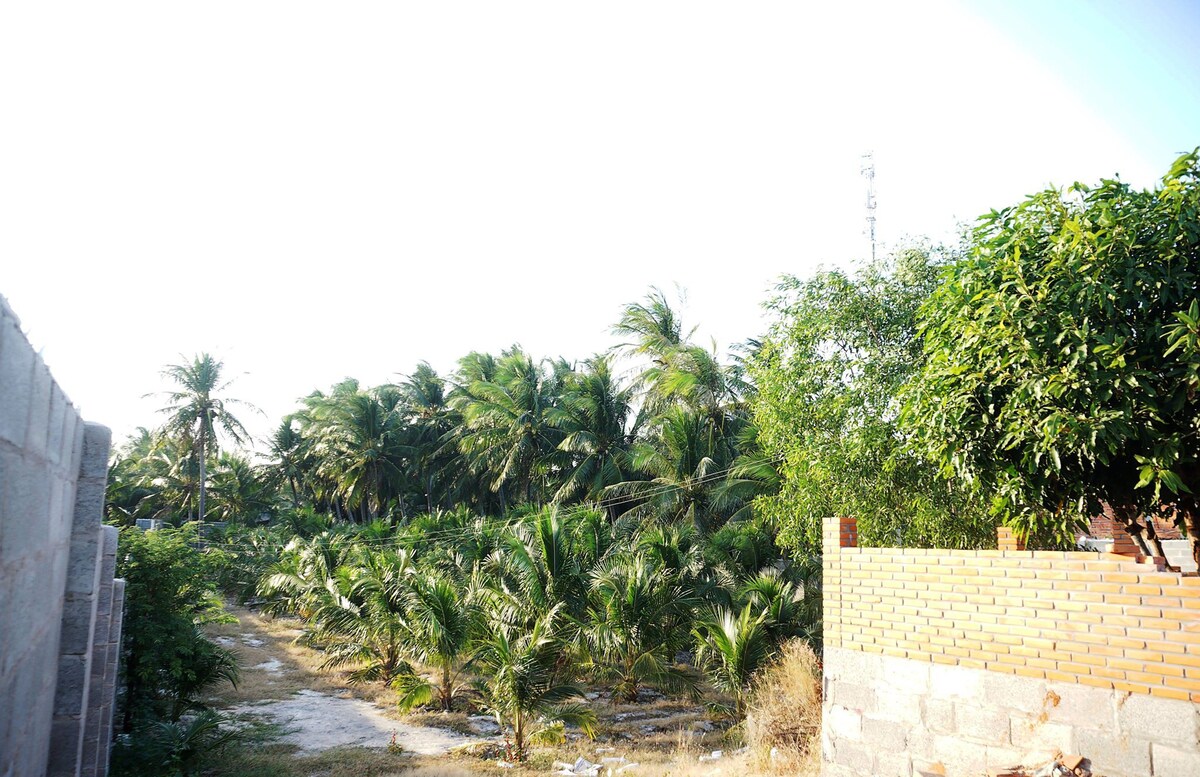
868, 172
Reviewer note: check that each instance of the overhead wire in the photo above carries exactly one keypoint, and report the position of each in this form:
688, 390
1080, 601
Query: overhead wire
467, 531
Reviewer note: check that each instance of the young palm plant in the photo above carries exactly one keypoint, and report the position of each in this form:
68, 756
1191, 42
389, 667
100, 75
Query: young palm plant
636, 620
439, 626
732, 647
363, 618
524, 686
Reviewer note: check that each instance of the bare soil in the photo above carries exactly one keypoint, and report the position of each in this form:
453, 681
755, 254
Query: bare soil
328, 727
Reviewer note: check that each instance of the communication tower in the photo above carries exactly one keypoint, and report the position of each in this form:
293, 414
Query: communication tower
868, 172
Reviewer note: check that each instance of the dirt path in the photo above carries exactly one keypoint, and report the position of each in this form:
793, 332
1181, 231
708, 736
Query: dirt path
281, 683
316, 722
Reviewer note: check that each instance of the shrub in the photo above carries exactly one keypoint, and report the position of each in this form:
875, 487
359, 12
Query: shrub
783, 720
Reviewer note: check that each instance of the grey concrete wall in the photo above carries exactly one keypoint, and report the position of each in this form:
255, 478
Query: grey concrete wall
53, 469
889, 716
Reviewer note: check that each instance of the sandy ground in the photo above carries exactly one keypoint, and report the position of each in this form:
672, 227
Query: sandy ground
280, 683
315, 721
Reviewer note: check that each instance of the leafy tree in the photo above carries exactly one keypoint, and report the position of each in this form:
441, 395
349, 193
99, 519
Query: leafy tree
168, 594
1061, 360
828, 376
197, 411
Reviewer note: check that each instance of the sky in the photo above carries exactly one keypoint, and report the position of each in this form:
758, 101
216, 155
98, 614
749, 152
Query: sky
314, 191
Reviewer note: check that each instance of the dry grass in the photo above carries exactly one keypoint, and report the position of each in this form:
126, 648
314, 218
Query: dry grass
783, 723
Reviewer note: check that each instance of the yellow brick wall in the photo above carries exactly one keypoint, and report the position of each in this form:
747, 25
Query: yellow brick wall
1101, 620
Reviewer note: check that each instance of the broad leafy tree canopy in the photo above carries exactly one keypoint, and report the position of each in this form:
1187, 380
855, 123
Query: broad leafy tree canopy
828, 377
1060, 355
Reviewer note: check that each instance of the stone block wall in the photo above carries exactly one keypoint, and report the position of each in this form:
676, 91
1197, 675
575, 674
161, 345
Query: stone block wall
59, 605
974, 660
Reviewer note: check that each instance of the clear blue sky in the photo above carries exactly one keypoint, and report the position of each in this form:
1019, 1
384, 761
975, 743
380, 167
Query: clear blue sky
1136, 62
312, 191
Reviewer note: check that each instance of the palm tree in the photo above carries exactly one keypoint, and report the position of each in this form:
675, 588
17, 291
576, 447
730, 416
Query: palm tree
429, 423
196, 411
507, 425
297, 583
683, 465
595, 416
239, 489
358, 439
731, 648
363, 618
287, 447
523, 687
440, 621
542, 568
636, 621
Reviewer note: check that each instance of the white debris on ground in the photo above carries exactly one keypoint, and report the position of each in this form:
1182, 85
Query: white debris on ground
315, 721
715, 755
1058, 766
271, 665
484, 725
252, 641
226, 641
585, 768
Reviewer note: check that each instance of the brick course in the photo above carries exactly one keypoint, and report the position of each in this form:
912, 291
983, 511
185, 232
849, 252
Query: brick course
1101, 620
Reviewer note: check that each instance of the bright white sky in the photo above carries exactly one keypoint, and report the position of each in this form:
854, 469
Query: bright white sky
318, 190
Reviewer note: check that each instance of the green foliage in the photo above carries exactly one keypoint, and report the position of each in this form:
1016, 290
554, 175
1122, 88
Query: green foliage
168, 663
828, 376
1060, 356
636, 623
526, 685
167, 748
732, 647
451, 594
196, 412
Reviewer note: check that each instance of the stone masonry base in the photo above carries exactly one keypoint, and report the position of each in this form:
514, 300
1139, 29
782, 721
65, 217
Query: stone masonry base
889, 716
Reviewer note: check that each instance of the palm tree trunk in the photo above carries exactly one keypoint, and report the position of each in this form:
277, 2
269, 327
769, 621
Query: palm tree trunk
203, 473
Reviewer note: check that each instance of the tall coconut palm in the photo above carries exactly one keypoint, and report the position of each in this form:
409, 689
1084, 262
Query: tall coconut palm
595, 416
683, 464
197, 411
240, 490
507, 421
359, 440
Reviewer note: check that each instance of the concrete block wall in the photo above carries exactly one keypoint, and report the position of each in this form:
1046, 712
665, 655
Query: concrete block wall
56, 569
976, 660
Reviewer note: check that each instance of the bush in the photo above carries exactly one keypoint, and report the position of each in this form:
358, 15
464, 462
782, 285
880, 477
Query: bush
167, 663
783, 720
